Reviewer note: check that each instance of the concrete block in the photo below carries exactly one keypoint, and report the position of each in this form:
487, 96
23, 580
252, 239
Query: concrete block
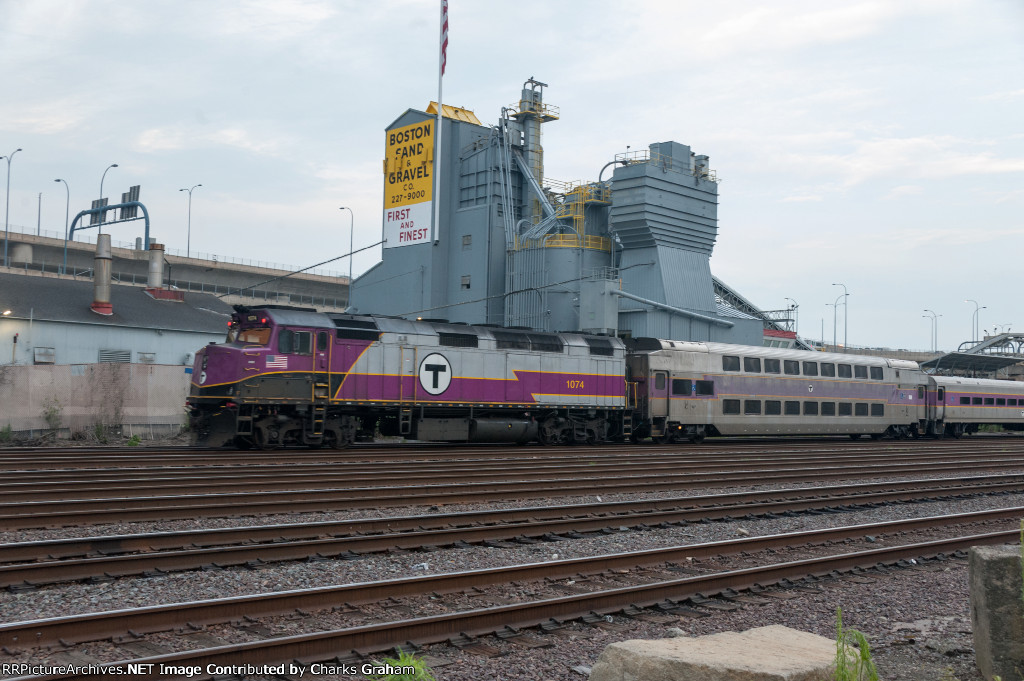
997, 611
774, 653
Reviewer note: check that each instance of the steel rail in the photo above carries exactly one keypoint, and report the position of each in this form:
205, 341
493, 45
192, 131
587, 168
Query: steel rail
860, 493
329, 645
104, 625
48, 572
431, 451
242, 482
30, 514
141, 476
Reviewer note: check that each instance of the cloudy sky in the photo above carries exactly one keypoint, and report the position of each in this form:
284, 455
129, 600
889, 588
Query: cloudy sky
876, 144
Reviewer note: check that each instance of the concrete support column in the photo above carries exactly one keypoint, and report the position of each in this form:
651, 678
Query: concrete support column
997, 610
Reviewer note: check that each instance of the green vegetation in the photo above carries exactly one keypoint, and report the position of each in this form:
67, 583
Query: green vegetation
853, 654
134, 441
53, 413
420, 671
6, 433
99, 432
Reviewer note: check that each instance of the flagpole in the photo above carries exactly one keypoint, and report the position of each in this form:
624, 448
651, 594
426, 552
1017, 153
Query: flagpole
440, 118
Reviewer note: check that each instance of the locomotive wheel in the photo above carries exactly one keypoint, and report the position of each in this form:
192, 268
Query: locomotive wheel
697, 438
259, 438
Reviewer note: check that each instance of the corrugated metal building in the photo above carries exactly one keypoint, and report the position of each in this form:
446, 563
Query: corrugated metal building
627, 257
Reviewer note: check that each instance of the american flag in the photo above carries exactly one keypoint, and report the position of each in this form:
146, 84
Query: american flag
444, 34
277, 361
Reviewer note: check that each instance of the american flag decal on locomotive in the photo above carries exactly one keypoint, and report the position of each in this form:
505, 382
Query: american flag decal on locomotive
277, 361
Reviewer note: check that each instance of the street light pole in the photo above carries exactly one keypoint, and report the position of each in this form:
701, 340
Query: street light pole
351, 240
103, 214
835, 307
846, 317
975, 318
67, 212
796, 313
7, 211
188, 242
935, 329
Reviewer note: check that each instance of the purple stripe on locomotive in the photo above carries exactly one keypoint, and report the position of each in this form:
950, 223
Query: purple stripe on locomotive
525, 388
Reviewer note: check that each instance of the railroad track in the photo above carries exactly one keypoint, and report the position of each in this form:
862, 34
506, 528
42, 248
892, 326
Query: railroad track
656, 587
27, 564
20, 511
116, 457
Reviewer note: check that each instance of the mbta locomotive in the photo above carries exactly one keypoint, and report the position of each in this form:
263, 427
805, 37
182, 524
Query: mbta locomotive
293, 376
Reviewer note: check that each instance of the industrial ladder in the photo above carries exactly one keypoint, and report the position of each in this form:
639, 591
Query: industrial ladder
243, 423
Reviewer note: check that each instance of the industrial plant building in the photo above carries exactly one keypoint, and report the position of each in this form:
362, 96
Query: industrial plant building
628, 255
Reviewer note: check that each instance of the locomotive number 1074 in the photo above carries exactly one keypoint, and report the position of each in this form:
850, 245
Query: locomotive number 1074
574, 385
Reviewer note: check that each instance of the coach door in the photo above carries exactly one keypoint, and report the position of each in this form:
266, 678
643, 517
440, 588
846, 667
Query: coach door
659, 395
937, 407
407, 389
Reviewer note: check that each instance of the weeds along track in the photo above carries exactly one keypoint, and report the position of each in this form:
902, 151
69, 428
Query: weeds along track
330, 623
27, 564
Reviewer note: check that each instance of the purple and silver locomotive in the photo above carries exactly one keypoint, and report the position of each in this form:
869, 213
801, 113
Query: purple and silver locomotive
291, 376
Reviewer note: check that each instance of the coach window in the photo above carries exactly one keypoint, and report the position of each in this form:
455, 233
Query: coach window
860, 409
876, 373
975, 400
751, 407
705, 387
810, 368
828, 408
941, 396
965, 400
792, 408
810, 408
878, 409
828, 369
730, 406
845, 371
771, 366
989, 401
860, 371
752, 365
791, 367
920, 392
659, 380
845, 408
1000, 402
1011, 402
772, 407
730, 363
681, 386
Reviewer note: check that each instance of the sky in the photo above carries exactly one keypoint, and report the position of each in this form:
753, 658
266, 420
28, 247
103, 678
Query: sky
876, 144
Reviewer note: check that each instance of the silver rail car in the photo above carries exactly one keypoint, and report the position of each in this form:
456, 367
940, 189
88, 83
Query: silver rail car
960, 405
686, 390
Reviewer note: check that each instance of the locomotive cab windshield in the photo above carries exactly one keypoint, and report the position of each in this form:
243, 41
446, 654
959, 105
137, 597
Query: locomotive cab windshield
251, 336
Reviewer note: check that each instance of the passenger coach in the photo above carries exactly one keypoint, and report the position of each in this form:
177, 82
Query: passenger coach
687, 390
